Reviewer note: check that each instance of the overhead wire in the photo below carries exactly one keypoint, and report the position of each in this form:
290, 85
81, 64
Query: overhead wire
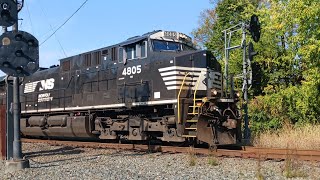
61, 47
64, 22
29, 15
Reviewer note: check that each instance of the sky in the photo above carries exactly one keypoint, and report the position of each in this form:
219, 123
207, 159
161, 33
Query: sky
101, 23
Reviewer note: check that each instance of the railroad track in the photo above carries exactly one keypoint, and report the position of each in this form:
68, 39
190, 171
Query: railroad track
245, 152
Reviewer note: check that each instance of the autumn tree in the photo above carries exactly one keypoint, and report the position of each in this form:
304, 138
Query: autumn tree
289, 51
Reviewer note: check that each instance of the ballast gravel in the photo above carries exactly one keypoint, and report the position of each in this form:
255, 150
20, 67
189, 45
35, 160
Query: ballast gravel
58, 162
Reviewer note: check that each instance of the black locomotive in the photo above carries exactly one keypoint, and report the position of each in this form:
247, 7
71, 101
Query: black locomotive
154, 86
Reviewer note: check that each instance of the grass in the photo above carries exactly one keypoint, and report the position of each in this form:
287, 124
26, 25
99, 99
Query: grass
289, 137
259, 174
292, 167
192, 157
213, 161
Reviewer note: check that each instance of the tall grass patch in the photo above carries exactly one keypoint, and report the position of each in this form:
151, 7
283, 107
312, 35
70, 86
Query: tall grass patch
301, 137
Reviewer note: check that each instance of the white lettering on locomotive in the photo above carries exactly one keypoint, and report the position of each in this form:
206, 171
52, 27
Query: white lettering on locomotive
46, 84
45, 97
131, 70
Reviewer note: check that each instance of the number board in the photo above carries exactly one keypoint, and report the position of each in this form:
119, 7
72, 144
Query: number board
171, 34
131, 70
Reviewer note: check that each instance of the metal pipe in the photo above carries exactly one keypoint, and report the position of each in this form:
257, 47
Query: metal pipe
15, 27
9, 119
240, 24
245, 85
235, 30
233, 47
226, 61
17, 151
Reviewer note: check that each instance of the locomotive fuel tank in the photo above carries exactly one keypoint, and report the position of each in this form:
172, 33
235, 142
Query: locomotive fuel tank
57, 126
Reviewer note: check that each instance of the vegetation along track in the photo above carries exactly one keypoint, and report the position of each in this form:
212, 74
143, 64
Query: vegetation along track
244, 152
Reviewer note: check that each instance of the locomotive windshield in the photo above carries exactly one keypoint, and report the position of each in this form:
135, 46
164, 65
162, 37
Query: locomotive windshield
159, 45
166, 46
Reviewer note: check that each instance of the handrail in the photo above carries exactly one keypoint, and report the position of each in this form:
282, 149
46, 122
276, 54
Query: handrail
179, 120
195, 93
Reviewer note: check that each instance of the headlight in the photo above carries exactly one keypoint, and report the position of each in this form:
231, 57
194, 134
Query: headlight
214, 92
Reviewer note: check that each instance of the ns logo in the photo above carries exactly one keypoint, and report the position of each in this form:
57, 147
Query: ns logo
46, 84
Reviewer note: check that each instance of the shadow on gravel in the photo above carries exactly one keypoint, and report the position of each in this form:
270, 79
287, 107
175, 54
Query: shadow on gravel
60, 162
60, 151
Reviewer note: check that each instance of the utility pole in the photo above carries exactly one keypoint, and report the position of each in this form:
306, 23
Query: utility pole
19, 57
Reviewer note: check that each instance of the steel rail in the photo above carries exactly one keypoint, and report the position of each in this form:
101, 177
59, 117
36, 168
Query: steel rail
244, 152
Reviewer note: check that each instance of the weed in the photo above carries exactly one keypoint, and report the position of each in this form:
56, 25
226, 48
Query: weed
259, 174
192, 157
292, 168
260, 177
213, 161
293, 137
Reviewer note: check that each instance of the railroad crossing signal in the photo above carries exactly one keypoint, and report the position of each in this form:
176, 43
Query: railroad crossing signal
9, 13
19, 53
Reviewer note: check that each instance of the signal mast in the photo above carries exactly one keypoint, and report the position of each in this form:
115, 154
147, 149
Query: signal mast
254, 29
19, 57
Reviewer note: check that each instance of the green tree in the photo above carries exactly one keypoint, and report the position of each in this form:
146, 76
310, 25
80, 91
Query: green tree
290, 54
289, 51
226, 13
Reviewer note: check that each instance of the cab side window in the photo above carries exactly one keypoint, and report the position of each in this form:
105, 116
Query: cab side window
136, 51
121, 55
143, 49
131, 52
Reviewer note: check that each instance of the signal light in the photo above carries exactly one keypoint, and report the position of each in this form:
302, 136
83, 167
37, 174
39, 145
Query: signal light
8, 13
256, 73
251, 52
255, 28
18, 37
31, 42
19, 53
6, 64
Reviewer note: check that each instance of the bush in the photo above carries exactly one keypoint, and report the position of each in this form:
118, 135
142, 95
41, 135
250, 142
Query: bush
294, 105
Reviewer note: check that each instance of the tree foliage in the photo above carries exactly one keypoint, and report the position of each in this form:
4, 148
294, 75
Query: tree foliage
289, 51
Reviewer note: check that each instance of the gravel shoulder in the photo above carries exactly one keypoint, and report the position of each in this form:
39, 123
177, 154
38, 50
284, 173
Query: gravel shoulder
57, 162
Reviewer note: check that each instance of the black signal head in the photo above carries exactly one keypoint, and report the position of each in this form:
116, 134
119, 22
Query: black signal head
19, 53
255, 28
8, 13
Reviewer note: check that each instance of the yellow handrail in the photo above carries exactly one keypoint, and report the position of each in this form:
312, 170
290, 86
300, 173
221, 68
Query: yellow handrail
194, 95
179, 120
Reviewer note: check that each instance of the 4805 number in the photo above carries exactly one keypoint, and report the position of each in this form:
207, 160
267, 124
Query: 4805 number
131, 70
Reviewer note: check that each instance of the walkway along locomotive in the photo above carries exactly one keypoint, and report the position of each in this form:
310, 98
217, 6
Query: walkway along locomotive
154, 86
